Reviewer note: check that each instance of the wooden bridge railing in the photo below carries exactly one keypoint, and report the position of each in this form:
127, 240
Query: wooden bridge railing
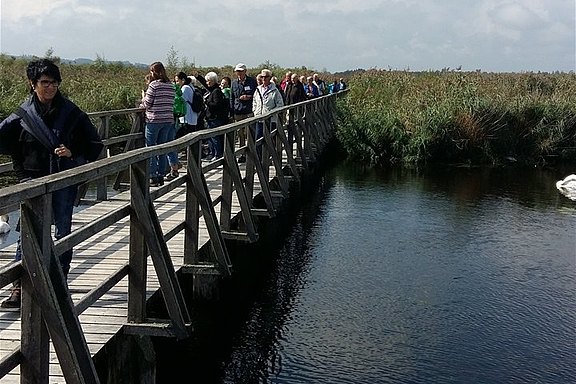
47, 310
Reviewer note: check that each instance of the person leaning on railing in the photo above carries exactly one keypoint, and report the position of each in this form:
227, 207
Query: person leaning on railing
217, 108
47, 134
295, 93
266, 98
242, 91
158, 100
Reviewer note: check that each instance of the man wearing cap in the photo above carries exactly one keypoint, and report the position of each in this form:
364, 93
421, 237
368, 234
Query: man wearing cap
242, 91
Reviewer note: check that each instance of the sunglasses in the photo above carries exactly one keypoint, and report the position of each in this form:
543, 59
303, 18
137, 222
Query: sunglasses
47, 83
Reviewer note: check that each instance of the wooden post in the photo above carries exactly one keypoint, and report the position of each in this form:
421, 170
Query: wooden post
35, 341
192, 217
226, 201
139, 181
52, 297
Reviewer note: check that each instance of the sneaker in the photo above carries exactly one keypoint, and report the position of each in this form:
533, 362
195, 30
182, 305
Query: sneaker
209, 158
205, 151
172, 175
14, 300
156, 181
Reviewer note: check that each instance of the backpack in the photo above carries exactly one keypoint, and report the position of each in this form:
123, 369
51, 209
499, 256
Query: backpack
197, 103
179, 107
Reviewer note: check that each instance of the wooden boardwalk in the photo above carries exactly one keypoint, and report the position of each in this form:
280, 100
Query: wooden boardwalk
99, 256
130, 246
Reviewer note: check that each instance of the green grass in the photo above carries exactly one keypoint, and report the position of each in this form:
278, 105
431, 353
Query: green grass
387, 117
474, 118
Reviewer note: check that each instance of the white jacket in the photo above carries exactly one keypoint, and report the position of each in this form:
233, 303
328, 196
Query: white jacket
267, 99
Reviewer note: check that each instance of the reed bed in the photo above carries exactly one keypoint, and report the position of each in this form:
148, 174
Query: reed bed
388, 116
456, 117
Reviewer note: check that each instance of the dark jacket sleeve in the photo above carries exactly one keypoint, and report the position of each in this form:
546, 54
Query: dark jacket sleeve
217, 105
82, 138
301, 93
233, 94
89, 143
9, 134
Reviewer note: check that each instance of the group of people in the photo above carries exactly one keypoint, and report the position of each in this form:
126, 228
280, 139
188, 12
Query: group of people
48, 133
223, 100
226, 100
313, 86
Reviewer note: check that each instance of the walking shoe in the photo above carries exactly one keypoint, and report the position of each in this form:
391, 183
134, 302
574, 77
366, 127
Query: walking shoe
172, 175
156, 181
14, 300
205, 151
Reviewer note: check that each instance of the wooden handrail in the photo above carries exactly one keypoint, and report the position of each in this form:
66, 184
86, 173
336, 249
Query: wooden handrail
312, 125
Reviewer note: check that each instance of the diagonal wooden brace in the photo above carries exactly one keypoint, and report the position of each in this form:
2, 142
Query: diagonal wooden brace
50, 293
149, 224
202, 193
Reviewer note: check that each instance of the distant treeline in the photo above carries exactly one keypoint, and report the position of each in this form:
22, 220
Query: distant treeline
388, 116
456, 117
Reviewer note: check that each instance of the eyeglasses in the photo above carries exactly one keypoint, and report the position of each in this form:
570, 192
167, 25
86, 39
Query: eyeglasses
265, 76
47, 83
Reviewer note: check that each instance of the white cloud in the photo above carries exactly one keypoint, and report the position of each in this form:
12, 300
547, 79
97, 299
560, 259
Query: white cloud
516, 16
23, 11
499, 35
15, 11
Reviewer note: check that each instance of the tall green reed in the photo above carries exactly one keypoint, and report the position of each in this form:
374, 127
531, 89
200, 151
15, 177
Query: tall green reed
479, 118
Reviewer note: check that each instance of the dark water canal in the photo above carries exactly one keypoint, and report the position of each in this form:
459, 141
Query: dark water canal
397, 276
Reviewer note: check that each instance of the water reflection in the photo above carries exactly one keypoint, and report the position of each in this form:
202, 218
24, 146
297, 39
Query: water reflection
259, 355
410, 276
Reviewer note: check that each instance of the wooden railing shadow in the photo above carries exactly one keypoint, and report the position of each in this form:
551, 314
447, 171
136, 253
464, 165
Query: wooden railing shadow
48, 312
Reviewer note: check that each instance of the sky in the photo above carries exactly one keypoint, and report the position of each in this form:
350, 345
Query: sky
324, 35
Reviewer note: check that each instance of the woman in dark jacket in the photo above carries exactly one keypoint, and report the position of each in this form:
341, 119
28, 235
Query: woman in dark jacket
48, 134
295, 90
216, 109
294, 94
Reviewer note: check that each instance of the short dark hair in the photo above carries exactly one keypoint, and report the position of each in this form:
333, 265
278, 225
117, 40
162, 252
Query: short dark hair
37, 68
183, 76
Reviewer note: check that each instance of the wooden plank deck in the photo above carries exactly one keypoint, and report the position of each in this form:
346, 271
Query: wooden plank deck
100, 256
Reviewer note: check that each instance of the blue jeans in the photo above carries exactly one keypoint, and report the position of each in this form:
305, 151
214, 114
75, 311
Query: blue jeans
62, 209
173, 156
158, 133
260, 134
217, 141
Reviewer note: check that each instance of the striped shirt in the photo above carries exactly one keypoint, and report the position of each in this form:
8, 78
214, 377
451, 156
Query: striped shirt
159, 101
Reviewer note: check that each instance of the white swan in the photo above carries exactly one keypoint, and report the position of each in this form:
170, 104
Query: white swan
567, 186
4, 226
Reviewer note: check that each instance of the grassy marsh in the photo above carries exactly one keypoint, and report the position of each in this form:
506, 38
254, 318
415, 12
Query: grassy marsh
456, 117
